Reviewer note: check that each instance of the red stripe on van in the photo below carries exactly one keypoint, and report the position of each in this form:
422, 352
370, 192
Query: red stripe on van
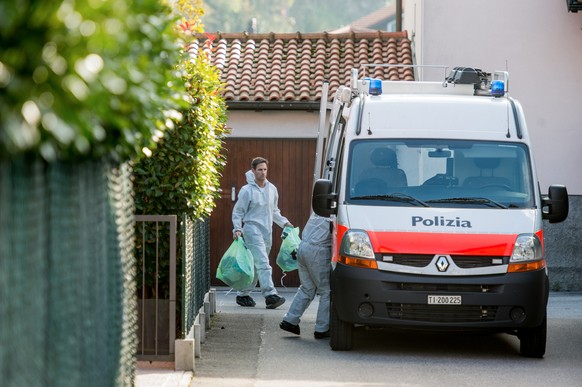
431, 243
439, 243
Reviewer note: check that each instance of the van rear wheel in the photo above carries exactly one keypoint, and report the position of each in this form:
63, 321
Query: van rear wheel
341, 332
533, 340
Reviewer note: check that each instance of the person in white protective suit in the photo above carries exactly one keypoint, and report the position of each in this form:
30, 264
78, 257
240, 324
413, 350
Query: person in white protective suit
252, 217
314, 266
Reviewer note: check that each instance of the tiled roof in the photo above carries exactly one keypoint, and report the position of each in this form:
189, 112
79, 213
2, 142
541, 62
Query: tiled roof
288, 69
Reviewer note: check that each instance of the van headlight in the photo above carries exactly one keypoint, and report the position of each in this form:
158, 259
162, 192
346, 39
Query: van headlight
527, 248
356, 243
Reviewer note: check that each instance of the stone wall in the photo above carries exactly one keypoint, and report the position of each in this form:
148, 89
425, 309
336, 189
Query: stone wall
563, 249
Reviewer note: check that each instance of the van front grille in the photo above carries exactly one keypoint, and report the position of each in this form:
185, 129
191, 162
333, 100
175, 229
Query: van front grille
469, 261
441, 313
451, 288
462, 261
415, 260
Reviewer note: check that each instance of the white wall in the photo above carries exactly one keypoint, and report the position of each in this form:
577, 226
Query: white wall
273, 124
541, 45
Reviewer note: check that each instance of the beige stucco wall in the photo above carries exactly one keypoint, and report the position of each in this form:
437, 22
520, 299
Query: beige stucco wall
539, 43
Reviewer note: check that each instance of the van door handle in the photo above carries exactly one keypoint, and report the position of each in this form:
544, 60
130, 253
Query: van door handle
233, 194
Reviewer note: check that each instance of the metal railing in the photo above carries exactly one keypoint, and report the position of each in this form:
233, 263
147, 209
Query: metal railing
159, 293
150, 293
195, 269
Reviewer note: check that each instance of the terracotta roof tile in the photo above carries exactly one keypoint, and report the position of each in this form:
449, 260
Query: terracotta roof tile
193, 47
289, 95
292, 67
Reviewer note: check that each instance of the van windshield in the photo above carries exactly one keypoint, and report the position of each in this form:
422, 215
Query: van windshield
440, 173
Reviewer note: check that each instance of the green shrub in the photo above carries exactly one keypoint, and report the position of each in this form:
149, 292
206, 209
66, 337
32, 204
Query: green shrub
183, 173
182, 176
86, 79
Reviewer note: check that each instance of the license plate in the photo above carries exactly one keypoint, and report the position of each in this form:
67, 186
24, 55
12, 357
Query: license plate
444, 300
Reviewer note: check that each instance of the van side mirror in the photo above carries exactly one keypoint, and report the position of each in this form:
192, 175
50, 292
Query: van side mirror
323, 201
555, 205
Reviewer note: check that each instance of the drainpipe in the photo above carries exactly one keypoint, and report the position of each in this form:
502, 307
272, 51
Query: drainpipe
398, 15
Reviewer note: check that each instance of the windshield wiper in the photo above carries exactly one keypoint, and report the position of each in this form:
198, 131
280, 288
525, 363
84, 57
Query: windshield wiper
396, 197
486, 201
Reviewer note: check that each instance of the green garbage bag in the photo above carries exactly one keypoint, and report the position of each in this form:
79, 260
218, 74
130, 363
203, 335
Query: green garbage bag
287, 256
237, 267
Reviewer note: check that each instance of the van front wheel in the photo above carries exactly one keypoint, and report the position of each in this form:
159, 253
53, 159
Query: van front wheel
533, 340
341, 332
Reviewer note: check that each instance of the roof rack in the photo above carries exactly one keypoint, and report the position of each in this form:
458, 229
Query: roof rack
484, 84
374, 65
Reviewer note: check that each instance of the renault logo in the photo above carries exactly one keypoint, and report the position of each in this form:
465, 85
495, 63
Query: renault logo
442, 263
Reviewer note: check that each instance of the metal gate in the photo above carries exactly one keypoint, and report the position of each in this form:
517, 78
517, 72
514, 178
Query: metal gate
157, 297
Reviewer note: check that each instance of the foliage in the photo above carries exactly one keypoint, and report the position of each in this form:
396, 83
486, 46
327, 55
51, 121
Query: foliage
86, 78
191, 12
285, 15
183, 174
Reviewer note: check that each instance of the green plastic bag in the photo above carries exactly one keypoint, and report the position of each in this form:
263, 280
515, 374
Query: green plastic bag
237, 267
287, 257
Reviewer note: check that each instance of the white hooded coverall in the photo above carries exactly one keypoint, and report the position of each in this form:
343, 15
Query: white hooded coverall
254, 213
314, 266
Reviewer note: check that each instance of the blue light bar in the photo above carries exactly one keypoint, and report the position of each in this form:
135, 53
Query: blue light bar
375, 87
498, 88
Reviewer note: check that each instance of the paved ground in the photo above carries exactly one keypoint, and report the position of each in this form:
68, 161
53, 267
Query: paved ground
231, 350
160, 374
235, 334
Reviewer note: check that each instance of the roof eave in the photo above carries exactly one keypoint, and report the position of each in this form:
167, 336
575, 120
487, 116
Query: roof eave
273, 105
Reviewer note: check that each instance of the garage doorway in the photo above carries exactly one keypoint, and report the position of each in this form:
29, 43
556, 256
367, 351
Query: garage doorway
291, 165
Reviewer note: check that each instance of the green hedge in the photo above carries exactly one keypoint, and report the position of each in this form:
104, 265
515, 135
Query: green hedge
183, 174
86, 79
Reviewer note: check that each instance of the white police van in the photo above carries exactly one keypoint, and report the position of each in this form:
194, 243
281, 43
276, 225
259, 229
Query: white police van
436, 208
